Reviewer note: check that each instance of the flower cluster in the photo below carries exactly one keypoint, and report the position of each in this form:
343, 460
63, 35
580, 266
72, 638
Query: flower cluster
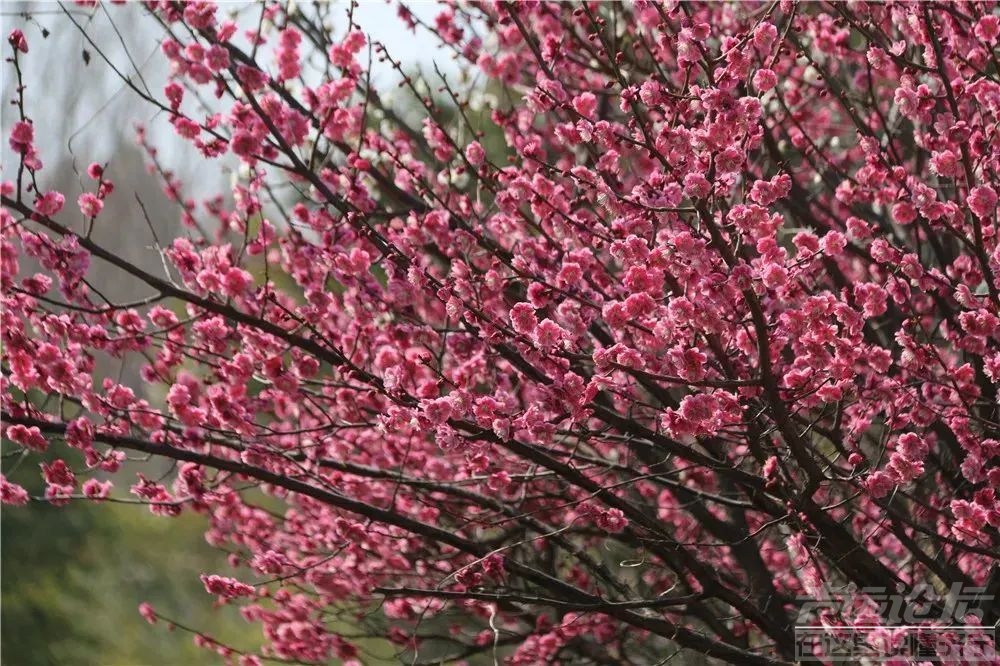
679, 313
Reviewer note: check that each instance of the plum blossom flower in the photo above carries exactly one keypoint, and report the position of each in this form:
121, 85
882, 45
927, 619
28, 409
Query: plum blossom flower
96, 489
764, 80
89, 204
228, 588
22, 136
147, 612
523, 319
945, 163
17, 40
12, 493
29, 437
987, 29
612, 520
549, 334
982, 201
879, 484
49, 203
475, 154
765, 35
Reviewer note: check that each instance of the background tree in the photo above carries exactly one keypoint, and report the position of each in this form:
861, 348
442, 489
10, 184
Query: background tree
710, 332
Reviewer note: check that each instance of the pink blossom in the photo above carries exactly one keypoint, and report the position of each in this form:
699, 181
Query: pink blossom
585, 104
22, 136
765, 35
475, 154
764, 80
767, 192
174, 93
548, 334
17, 40
200, 14
912, 446
89, 204
49, 203
245, 144
129, 319
774, 275
147, 612
697, 186
217, 58
58, 495
879, 484
858, 229
570, 274
770, 467
11, 493
80, 433
945, 163
833, 243
723, 279
698, 408
95, 489
29, 437
236, 281
613, 520
523, 319
356, 262
226, 587
982, 201
872, 298
907, 101
179, 396
438, 411
639, 305
987, 29
903, 469
58, 473
270, 562
904, 212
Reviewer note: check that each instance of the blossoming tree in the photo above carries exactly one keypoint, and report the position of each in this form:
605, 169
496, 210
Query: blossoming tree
714, 329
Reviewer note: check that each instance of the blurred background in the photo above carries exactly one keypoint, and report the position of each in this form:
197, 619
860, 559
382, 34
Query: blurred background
71, 578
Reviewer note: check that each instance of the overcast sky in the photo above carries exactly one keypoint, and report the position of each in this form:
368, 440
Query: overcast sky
85, 108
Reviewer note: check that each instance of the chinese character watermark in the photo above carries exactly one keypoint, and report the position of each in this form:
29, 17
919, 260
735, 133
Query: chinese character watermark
877, 624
